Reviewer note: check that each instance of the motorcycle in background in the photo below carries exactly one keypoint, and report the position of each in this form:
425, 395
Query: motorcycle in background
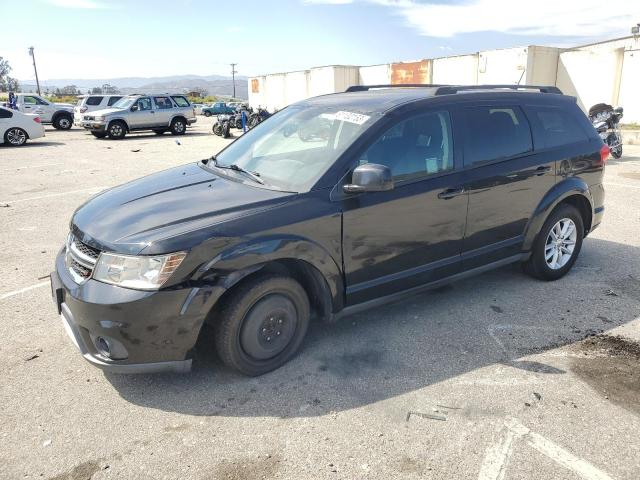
606, 121
260, 116
223, 126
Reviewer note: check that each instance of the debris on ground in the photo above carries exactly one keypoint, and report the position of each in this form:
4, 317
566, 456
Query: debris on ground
430, 416
4, 205
136, 150
611, 293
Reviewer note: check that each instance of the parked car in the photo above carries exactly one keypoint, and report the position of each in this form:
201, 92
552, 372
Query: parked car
91, 103
159, 113
17, 127
60, 115
413, 188
197, 107
217, 109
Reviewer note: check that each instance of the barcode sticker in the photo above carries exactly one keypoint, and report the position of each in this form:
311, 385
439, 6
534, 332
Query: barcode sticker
351, 117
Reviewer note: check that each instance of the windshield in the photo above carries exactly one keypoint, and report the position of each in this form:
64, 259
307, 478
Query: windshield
124, 102
292, 149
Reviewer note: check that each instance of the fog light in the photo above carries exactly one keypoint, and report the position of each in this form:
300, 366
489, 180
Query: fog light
109, 348
103, 347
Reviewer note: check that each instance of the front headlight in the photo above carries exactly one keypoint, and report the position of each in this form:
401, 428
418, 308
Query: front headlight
142, 273
99, 119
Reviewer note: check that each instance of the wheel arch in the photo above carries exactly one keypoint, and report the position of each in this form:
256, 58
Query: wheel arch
573, 191
119, 119
305, 261
61, 113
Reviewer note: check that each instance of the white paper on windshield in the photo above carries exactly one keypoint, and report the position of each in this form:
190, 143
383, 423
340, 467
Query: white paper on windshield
352, 117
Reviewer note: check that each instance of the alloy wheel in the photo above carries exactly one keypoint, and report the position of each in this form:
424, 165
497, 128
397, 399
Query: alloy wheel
16, 136
560, 243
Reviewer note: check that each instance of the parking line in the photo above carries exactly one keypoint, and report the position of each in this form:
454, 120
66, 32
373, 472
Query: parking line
30, 166
23, 290
61, 194
622, 185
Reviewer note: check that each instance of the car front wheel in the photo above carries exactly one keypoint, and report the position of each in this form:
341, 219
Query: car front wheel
117, 130
262, 324
558, 244
15, 137
63, 122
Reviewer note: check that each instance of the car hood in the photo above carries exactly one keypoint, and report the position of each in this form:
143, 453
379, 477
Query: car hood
64, 106
185, 202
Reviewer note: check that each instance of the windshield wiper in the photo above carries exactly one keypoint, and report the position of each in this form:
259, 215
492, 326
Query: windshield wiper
237, 168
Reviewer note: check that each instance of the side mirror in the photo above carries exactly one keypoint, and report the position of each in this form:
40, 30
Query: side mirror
370, 177
134, 108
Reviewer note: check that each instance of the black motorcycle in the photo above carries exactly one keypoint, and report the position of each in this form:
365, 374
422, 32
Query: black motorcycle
223, 126
236, 122
257, 117
606, 121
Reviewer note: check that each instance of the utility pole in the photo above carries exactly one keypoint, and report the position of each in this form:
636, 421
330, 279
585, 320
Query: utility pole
35, 69
233, 76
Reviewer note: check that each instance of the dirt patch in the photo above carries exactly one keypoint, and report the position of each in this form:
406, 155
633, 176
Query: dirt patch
610, 365
84, 471
247, 469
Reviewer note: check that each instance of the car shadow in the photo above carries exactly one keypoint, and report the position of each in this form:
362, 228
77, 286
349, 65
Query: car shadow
36, 143
493, 319
138, 136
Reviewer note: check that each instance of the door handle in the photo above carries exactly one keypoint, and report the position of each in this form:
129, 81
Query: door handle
450, 193
542, 170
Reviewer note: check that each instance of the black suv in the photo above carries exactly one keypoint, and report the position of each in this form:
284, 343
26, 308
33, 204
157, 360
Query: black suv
334, 204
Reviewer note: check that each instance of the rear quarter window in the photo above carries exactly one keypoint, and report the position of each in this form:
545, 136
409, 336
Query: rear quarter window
555, 127
93, 101
5, 113
181, 101
493, 133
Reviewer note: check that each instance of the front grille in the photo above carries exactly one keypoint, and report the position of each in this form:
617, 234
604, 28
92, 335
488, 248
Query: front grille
89, 117
80, 259
87, 250
81, 270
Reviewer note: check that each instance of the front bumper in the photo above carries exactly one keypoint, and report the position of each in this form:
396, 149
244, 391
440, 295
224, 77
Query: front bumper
152, 331
94, 126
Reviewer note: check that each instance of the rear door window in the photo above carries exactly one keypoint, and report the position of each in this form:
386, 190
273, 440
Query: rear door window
555, 127
113, 100
93, 101
181, 101
163, 103
494, 133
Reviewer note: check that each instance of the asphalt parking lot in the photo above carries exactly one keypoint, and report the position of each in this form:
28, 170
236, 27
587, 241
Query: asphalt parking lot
495, 377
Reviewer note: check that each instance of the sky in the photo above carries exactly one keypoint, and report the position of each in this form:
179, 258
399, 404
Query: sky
148, 38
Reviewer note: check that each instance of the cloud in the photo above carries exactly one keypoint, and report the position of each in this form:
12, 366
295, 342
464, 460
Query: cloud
568, 18
86, 4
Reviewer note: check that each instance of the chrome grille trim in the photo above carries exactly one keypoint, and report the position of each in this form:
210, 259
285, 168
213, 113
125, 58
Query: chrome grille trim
80, 259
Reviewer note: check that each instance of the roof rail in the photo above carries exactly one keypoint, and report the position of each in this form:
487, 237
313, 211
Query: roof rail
364, 88
451, 89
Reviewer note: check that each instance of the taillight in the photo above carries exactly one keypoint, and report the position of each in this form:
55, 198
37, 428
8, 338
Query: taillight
604, 153
37, 119
83, 109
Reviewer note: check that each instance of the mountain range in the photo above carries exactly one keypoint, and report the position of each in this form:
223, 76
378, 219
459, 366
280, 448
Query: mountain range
213, 84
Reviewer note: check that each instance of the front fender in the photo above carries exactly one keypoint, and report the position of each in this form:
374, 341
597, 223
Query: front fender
561, 190
242, 259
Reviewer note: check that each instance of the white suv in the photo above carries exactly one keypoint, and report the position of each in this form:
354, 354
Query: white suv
89, 103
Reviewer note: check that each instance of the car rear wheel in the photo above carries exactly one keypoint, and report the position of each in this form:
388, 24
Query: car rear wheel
262, 324
63, 122
178, 126
15, 136
117, 130
558, 244
99, 134
207, 114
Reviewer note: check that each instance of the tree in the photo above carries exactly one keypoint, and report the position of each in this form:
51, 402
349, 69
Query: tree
96, 91
109, 89
7, 83
70, 90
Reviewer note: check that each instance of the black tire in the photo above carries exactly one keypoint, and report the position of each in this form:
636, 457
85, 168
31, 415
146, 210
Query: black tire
217, 129
117, 130
226, 127
537, 265
63, 122
15, 136
253, 121
178, 126
160, 131
99, 134
239, 124
616, 152
207, 114
262, 324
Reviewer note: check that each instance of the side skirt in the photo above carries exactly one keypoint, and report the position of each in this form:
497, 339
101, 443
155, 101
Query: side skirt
394, 297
